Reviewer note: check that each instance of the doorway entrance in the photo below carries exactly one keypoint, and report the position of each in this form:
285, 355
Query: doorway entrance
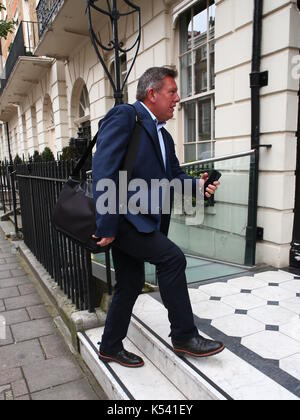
87, 132
295, 250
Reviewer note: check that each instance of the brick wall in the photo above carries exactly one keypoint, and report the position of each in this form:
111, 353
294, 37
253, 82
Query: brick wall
12, 7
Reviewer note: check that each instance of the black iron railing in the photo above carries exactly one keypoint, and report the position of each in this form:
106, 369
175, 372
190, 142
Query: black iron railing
68, 264
9, 194
6, 202
37, 187
46, 11
24, 44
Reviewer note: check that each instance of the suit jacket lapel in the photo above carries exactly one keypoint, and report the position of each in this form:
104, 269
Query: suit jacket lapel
151, 130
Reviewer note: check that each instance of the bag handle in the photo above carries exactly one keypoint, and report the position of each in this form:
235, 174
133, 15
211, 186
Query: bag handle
131, 153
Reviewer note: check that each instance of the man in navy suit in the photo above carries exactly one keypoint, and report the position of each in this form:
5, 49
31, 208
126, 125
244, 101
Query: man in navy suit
140, 238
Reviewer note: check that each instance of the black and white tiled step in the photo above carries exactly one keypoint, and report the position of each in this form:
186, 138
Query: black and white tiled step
183, 374
259, 363
225, 376
120, 383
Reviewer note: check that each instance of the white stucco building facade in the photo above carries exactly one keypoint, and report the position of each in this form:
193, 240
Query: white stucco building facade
49, 96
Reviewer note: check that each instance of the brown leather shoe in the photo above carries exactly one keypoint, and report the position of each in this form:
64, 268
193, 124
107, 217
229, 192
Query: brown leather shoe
198, 347
124, 358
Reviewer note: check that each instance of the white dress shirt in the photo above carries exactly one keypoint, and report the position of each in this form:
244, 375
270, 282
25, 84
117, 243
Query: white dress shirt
159, 127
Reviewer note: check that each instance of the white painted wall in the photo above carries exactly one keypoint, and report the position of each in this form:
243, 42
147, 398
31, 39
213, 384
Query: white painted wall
279, 107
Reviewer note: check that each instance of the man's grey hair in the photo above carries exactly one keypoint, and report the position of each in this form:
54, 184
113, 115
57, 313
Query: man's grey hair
153, 79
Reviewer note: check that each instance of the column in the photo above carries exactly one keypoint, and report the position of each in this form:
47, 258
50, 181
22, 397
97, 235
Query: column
60, 105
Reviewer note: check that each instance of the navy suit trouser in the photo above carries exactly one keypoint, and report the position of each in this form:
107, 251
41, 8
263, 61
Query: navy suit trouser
130, 251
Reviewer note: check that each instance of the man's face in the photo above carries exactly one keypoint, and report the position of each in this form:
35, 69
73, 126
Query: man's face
163, 102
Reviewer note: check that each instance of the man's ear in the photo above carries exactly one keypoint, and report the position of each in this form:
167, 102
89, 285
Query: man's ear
152, 96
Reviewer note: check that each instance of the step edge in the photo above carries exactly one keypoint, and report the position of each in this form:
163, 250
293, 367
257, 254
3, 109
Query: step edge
184, 366
107, 369
116, 390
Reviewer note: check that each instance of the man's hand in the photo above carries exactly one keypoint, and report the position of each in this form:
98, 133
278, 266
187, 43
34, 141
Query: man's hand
210, 191
104, 241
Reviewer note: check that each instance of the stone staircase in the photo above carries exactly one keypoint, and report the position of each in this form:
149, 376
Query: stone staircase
165, 376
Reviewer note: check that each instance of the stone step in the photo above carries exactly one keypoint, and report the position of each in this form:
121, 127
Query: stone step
6, 216
223, 377
8, 228
231, 375
120, 383
19, 219
183, 375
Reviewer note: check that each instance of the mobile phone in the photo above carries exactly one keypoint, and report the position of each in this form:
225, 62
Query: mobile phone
213, 177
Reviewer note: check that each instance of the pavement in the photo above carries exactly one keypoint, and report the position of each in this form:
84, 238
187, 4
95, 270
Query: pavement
35, 361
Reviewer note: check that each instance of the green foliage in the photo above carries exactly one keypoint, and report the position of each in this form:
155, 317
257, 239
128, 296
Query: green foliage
6, 27
70, 153
47, 155
17, 160
36, 157
197, 173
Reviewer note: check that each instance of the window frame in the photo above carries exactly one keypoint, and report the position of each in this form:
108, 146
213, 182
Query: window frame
195, 97
4, 3
124, 71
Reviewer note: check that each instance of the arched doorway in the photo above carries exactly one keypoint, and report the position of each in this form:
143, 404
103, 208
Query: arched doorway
81, 109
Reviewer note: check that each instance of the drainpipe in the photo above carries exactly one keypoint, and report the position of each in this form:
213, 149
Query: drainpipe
258, 80
295, 249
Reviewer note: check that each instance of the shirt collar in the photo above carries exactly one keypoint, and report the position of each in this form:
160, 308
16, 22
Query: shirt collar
159, 125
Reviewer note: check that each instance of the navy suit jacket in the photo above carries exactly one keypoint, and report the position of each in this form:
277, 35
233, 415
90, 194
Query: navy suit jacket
114, 136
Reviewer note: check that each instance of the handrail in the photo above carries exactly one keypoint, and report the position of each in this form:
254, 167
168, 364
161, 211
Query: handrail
219, 159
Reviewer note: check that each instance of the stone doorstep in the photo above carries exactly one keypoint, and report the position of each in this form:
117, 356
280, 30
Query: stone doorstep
120, 383
231, 372
7, 228
6, 395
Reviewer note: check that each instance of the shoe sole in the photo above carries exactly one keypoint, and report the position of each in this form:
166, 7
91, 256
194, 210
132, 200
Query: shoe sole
108, 359
182, 353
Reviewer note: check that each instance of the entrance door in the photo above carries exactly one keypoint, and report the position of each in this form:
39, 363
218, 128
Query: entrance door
87, 132
295, 251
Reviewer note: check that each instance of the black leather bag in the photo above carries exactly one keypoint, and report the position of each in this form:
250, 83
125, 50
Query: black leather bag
75, 212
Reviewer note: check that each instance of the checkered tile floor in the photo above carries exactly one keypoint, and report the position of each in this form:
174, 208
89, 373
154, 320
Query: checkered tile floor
262, 311
258, 318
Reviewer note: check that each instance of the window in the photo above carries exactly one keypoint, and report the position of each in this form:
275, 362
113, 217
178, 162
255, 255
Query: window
123, 65
84, 113
123, 75
5, 10
197, 66
16, 17
84, 103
